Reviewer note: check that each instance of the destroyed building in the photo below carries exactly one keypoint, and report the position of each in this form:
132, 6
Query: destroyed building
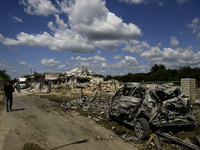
75, 75
82, 74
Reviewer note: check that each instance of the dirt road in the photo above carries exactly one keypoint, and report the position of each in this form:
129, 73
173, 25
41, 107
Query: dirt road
33, 120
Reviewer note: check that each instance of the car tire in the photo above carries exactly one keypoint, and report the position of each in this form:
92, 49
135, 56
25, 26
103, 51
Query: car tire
142, 128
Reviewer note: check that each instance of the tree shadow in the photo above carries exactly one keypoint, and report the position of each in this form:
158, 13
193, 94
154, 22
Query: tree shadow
77, 142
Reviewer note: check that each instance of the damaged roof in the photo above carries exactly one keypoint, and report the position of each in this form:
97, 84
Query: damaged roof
80, 71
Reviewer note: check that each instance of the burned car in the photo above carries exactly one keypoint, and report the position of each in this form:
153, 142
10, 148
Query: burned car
151, 107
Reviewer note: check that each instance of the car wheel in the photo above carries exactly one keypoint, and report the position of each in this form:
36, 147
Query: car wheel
142, 128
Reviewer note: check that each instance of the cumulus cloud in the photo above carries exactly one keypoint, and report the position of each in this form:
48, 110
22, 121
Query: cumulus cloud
62, 67
135, 46
153, 53
63, 39
39, 7
50, 63
25, 65
172, 57
108, 44
94, 63
1, 38
95, 59
128, 63
89, 24
195, 26
93, 19
174, 42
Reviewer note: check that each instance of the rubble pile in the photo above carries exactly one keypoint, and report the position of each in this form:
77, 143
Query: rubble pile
105, 87
97, 109
92, 107
92, 100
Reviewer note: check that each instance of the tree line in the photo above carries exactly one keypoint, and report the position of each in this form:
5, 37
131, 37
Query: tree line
5, 77
159, 73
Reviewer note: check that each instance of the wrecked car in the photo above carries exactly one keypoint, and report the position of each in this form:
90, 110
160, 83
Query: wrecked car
151, 107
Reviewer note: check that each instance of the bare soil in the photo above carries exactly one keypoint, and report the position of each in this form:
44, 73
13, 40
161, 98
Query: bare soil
37, 122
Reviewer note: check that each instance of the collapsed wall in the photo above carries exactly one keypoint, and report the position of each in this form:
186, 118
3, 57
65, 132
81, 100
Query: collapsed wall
189, 85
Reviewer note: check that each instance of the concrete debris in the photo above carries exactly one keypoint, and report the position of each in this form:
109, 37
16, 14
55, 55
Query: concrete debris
109, 87
156, 142
131, 138
179, 141
96, 119
141, 106
197, 137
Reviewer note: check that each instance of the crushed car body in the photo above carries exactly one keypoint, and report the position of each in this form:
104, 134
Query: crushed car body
148, 107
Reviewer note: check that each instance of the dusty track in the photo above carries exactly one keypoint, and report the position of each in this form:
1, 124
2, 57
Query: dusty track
34, 120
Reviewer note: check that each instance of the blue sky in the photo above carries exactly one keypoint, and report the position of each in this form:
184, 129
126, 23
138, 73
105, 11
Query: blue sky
110, 37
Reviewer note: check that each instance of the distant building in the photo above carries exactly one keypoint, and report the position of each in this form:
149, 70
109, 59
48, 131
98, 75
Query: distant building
81, 75
75, 75
51, 76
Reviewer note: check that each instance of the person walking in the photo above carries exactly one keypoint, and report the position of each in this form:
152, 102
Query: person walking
7, 94
18, 87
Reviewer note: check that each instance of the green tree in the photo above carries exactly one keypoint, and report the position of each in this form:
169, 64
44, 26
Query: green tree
4, 78
108, 77
27, 76
158, 73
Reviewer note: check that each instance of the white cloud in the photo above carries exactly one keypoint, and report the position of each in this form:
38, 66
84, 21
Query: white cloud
72, 58
95, 59
135, 46
128, 63
108, 44
39, 7
172, 57
67, 63
25, 65
79, 58
94, 63
62, 67
87, 64
50, 63
90, 25
153, 54
92, 19
62, 40
174, 42
195, 26
198, 35
98, 59
1, 38
104, 66
65, 5
16, 18
5, 65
